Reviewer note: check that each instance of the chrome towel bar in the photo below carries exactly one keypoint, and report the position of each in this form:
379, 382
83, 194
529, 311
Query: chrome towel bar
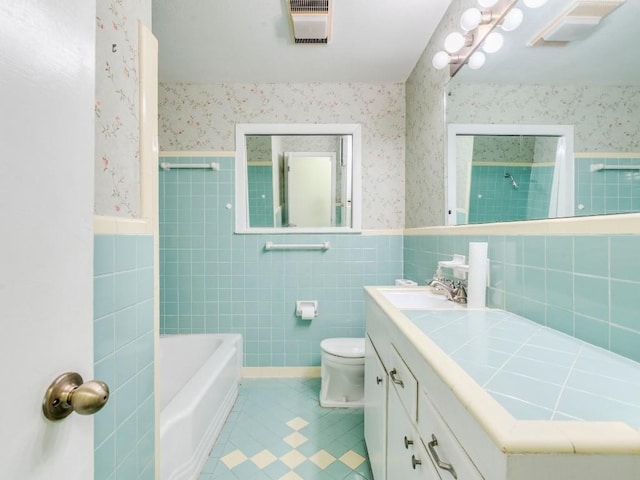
297, 246
168, 166
596, 167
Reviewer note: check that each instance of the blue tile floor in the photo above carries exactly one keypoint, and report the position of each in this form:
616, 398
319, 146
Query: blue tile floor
278, 431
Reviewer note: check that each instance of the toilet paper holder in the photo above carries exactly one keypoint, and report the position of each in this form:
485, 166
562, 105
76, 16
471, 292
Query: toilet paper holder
306, 309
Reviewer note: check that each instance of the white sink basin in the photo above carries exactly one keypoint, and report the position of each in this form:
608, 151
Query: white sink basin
419, 299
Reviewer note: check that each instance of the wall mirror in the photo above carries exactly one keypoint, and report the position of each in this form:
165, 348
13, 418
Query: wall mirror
588, 83
503, 173
298, 178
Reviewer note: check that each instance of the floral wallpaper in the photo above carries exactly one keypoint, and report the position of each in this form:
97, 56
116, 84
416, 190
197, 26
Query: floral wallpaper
605, 116
489, 148
425, 134
203, 117
117, 173
258, 148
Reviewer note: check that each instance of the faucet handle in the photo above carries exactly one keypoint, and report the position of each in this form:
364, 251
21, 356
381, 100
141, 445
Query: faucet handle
460, 293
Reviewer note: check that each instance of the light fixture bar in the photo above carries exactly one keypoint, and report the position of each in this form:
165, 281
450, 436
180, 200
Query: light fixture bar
498, 12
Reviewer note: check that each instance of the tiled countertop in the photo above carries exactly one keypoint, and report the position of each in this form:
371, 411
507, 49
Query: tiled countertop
534, 372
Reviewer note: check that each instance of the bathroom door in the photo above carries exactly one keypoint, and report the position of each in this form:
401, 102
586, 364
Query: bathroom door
310, 189
47, 69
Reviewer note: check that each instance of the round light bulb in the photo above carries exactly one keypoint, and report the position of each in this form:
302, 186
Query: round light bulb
441, 60
454, 42
470, 19
476, 60
512, 20
534, 3
493, 42
487, 3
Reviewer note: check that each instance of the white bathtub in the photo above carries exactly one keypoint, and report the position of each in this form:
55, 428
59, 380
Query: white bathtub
199, 378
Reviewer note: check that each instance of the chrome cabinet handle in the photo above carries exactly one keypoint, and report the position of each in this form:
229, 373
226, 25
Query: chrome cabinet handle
378, 380
407, 442
415, 461
443, 465
395, 380
68, 393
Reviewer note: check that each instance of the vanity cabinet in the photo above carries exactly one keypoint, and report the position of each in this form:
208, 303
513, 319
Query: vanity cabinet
438, 423
406, 437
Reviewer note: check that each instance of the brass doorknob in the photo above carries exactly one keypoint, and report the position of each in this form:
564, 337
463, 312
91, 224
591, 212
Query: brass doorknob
68, 393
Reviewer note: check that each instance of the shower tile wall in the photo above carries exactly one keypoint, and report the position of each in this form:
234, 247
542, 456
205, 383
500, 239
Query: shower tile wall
124, 356
540, 184
214, 281
583, 285
494, 199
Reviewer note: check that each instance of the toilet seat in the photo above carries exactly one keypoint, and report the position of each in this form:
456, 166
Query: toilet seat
344, 347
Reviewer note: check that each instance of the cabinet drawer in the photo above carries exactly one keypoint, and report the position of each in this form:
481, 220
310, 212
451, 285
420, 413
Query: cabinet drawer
442, 444
404, 382
407, 457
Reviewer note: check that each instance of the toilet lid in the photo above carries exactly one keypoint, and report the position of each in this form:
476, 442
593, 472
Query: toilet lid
344, 347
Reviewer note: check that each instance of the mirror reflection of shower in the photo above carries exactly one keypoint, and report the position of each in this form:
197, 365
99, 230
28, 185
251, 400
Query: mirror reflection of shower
513, 180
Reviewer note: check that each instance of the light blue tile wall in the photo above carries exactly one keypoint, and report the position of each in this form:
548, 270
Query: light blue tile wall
124, 356
583, 285
607, 191
212, 280
260, 195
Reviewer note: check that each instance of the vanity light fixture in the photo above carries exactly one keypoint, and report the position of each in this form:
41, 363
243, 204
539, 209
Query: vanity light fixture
478, 26
493, 42
512, 20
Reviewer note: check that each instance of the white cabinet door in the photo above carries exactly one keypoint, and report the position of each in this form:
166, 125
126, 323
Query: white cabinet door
407, 458
47, 93
375, 410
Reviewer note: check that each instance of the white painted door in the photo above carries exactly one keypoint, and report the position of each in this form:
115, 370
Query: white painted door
47, 70
310, 180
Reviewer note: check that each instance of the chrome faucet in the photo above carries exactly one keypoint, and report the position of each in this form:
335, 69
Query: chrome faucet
455, 292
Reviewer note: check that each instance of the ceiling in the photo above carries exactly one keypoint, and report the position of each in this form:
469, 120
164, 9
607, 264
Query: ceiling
249, 41
607, 56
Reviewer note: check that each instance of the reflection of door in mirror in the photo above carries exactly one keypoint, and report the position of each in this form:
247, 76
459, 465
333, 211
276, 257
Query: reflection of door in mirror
266, 191
309, 185
505, 178
289, 185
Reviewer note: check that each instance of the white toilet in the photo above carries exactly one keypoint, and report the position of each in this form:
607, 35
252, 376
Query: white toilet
342, 371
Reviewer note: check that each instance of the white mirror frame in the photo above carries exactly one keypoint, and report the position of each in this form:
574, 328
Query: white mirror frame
563, 172
242, 203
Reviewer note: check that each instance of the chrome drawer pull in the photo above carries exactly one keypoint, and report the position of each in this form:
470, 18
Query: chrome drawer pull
407, 442
395, 380
443, 465
415, 461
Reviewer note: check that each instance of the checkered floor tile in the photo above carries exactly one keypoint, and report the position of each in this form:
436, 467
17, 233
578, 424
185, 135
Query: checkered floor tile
278, 431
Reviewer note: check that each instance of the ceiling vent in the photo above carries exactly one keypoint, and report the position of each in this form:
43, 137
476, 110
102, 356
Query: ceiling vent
311, 20
577, 22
